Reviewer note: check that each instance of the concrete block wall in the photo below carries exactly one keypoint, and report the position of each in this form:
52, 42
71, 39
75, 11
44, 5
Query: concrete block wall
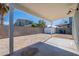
20, 31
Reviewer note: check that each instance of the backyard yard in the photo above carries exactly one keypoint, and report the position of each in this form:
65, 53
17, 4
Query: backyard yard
21, 42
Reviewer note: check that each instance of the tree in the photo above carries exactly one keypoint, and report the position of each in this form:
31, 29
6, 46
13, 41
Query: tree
4, 8
42, 23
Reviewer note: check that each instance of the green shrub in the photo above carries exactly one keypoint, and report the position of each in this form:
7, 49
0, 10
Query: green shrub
41, 23
34, 25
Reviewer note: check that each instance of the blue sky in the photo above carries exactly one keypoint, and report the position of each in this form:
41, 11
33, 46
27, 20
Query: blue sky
18, 14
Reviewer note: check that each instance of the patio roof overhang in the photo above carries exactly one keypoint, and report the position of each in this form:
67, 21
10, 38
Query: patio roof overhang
48, 11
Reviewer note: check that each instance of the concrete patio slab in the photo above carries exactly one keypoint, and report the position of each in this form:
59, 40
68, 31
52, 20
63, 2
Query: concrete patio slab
44, 50
62, 43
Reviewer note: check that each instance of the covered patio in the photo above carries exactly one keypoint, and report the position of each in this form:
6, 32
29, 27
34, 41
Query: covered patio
50, 43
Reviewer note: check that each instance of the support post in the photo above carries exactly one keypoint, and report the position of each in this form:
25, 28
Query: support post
51, 29
11, 47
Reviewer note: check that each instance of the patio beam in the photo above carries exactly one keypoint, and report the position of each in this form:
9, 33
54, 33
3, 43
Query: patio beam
11, 47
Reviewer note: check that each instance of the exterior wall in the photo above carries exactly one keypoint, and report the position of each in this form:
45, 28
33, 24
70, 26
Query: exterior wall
3, 33
20, 31
75, 27
48, 30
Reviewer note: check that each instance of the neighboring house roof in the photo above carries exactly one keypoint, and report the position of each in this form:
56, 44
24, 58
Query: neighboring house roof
66, 22
63, 25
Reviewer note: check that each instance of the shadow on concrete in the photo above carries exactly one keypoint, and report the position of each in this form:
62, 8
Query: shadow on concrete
42, 49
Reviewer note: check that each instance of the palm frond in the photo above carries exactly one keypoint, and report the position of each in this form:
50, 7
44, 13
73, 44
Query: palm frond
4, 8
